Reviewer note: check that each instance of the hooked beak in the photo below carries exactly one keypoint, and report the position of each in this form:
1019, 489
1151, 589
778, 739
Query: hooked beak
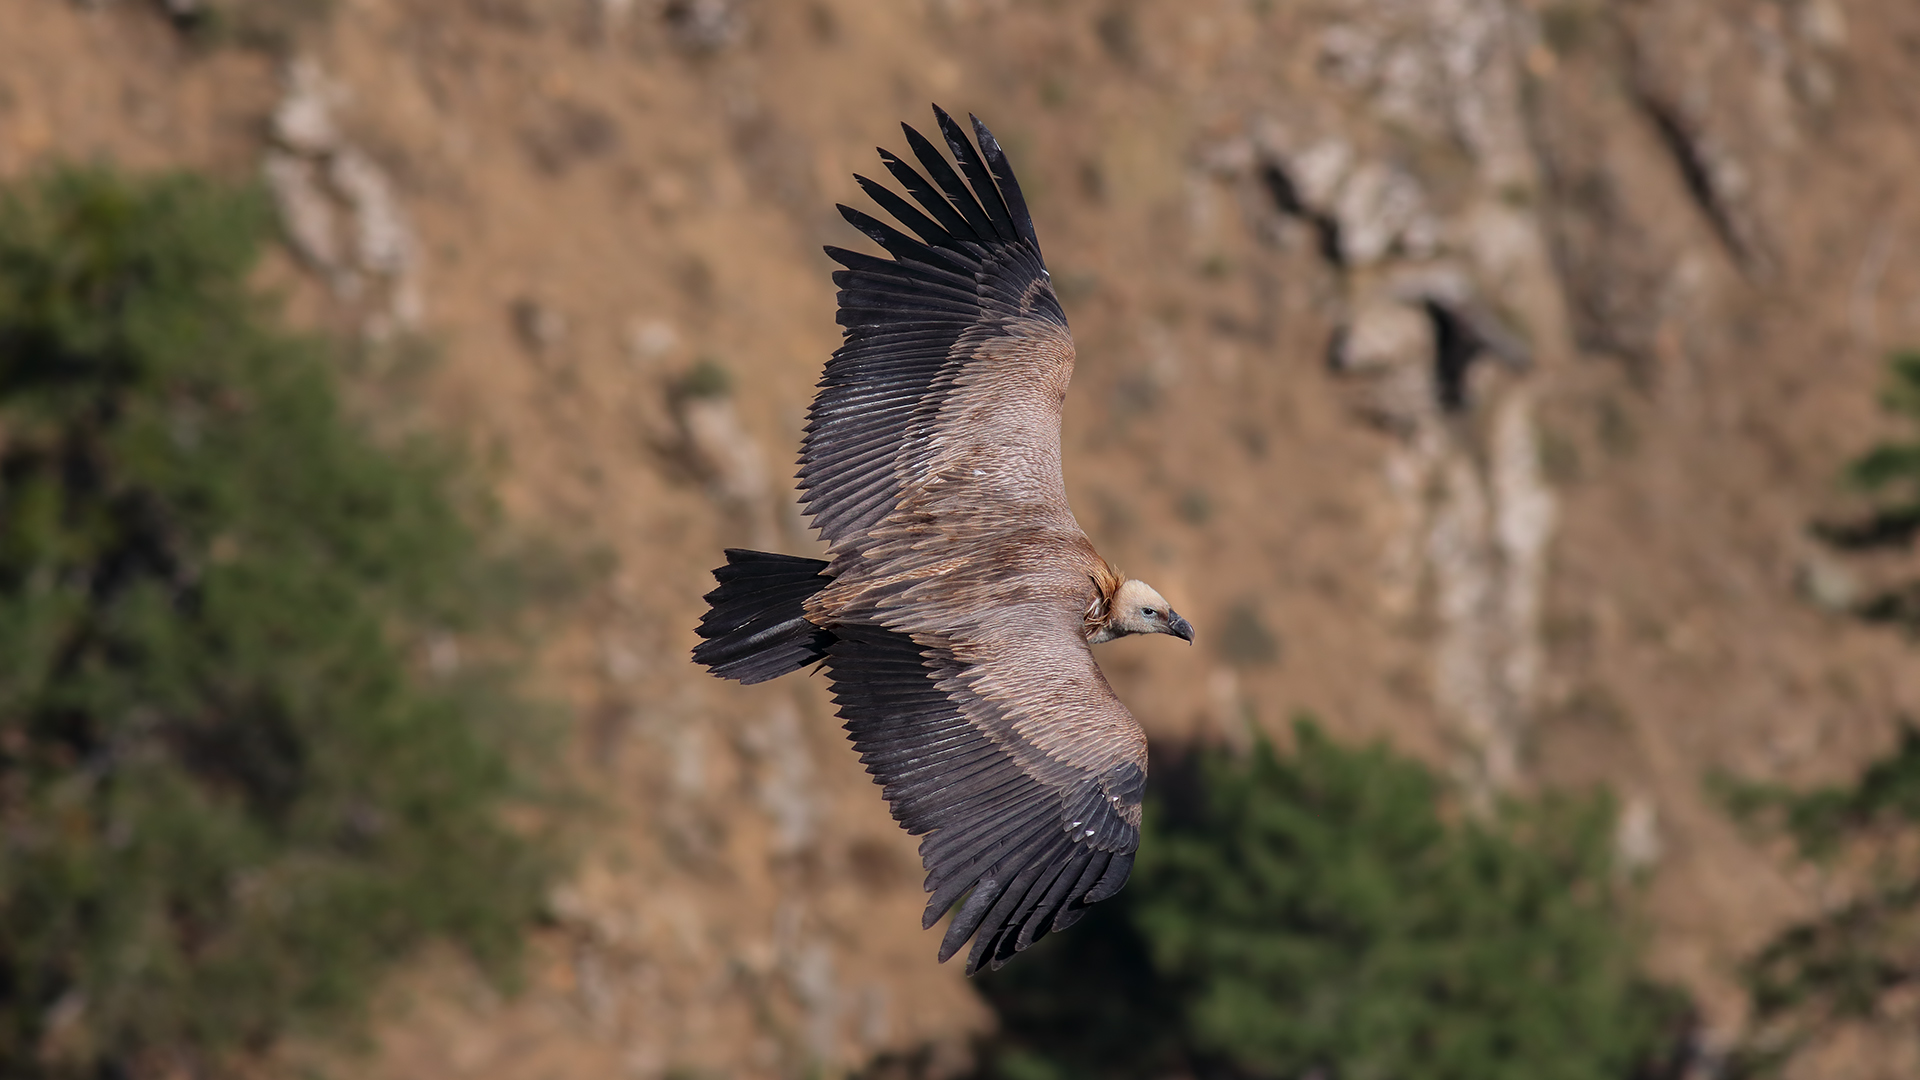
1179, 627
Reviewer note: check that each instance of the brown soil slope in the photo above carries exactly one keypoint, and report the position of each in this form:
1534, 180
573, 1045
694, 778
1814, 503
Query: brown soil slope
1684, 232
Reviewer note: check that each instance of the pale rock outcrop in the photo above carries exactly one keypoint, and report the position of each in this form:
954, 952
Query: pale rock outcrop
339, 207
1431, 292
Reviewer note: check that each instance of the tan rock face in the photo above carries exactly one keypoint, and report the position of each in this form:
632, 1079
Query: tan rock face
1573, 555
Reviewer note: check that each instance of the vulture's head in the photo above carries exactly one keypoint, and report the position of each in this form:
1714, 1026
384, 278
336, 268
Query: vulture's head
1137, 609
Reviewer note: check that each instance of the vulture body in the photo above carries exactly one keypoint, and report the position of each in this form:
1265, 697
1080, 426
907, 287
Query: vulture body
955, 613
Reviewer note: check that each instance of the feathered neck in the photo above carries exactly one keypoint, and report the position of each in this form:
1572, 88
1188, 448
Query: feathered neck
1106, 582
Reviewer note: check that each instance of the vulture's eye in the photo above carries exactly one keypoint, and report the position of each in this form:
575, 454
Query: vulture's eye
1149, 613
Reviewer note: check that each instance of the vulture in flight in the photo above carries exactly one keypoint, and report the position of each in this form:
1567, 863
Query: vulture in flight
955, 612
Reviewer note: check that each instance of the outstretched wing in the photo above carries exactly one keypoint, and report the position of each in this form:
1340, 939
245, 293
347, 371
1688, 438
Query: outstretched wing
963, 319
1022, 770
960, 579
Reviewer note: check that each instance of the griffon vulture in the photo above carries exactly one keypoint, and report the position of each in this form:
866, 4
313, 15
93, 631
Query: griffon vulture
955, 612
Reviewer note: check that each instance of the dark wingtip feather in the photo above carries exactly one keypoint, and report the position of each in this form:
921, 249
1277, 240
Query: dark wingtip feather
1003, 176
902, 247
980, 227
985, 190
967, 919
1111, 882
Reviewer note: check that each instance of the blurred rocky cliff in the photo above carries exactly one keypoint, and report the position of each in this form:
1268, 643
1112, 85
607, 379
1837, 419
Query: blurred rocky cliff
1470, 370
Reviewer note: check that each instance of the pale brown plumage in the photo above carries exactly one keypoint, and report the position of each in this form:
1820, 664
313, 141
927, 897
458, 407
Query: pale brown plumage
955, 612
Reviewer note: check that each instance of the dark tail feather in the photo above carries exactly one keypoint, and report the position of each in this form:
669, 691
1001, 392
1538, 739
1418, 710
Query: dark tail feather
756, 626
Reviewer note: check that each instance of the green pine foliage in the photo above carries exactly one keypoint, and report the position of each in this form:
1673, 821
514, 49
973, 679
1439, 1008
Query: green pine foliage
1894, 467
1822, 820
1320, 913
1889, 474
230, 792
274, 26
1850, 963
1847, 964
1328, 915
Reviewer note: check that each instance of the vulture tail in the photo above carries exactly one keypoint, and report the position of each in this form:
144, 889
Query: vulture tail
756, 625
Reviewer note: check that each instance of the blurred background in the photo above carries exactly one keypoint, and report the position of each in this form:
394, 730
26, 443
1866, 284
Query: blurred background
1512, 392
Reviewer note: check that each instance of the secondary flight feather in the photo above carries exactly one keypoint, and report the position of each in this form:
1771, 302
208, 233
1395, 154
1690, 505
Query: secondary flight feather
956, 607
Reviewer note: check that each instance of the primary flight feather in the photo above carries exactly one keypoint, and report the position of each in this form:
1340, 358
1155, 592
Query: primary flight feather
956, 608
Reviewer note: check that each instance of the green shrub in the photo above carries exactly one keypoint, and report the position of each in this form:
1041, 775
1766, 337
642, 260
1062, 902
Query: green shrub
1889, 474
1896, 465
1319, 914
229, 795
1847, 963
274, 26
